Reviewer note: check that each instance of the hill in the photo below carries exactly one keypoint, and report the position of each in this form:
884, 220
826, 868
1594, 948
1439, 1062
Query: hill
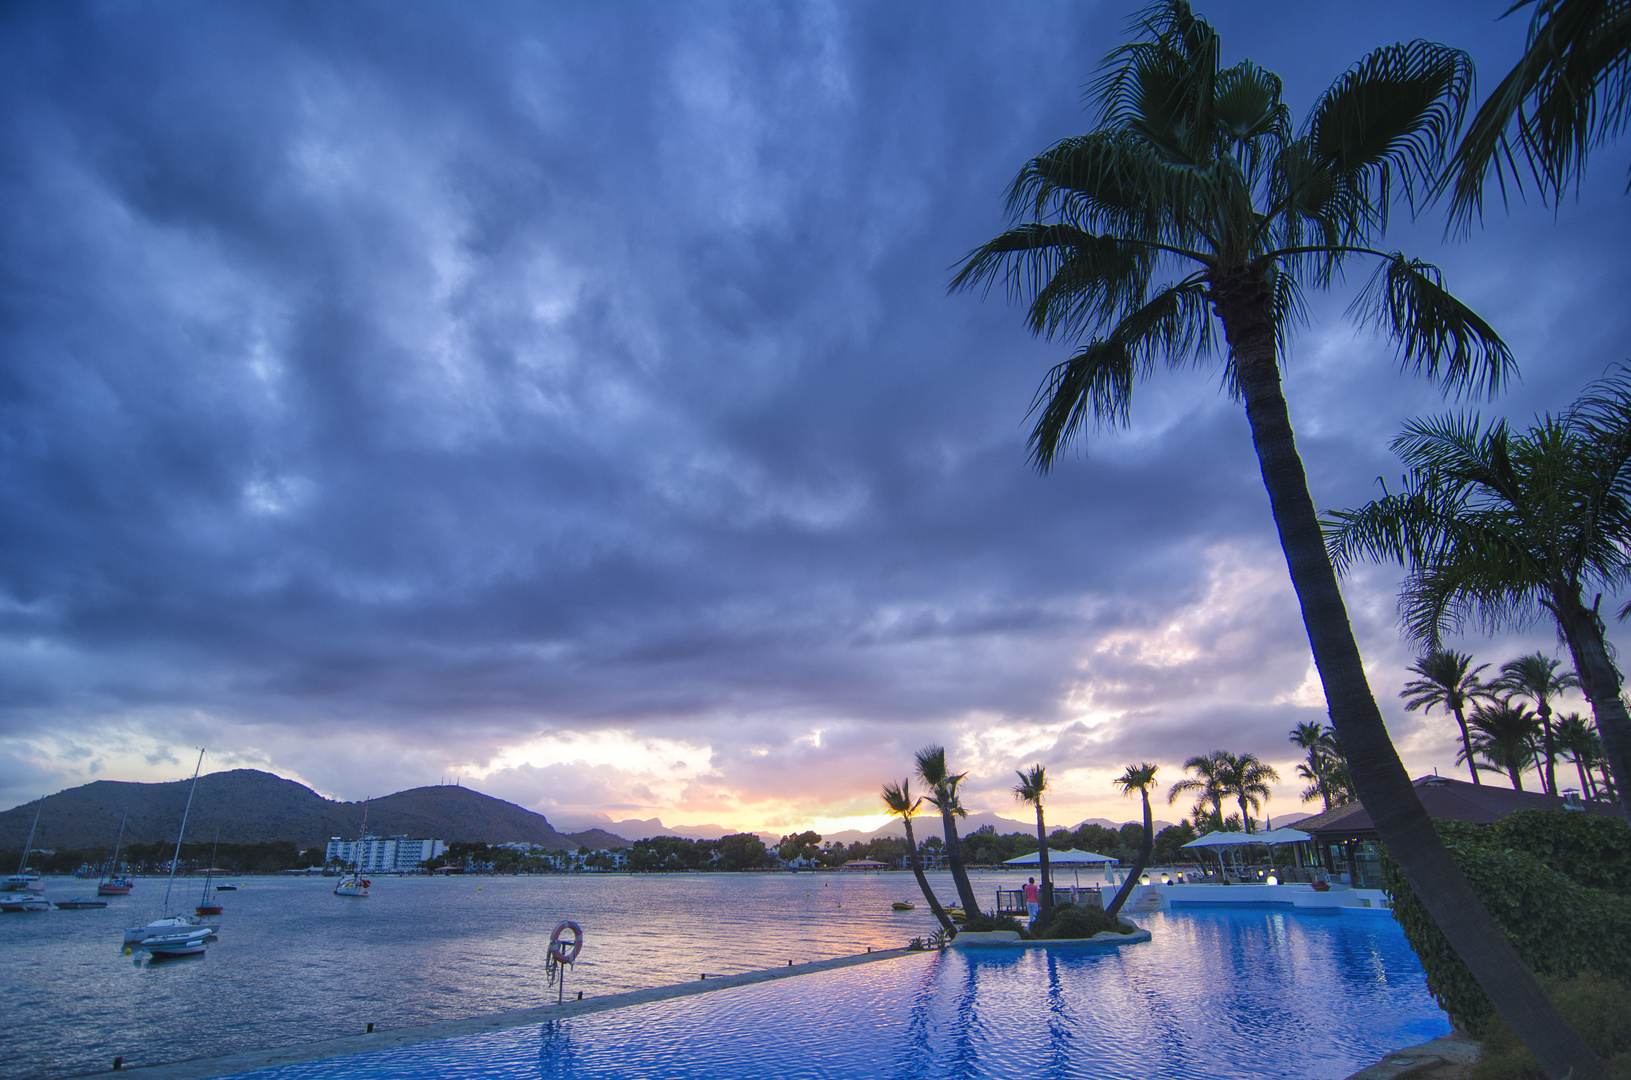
249, 806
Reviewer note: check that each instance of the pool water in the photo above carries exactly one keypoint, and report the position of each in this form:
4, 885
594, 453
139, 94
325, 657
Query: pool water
1217, 993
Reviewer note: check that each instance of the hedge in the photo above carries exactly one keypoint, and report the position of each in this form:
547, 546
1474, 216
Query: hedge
1559, 884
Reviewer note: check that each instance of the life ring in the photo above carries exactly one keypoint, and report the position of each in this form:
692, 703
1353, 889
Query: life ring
566, 954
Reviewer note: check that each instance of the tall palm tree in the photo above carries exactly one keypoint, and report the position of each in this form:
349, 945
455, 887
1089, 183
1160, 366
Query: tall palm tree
1505, 738
1575, 738
943, 784
1139, 778
1207, 784
898, 798
1247, 779
1569, 92
1499, 527
1321, 769
1195, 167
1535, 677
1033, 783
1445, 681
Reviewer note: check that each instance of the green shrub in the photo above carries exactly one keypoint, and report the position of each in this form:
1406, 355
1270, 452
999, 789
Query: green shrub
1599, 1008
1595, 851
981, 923
1071, 921
1562, 925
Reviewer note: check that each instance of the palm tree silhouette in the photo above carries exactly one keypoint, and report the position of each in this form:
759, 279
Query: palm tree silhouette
1195, 168
1033, 784
1325, 769
1207, 783
1575, 738
898, 798
943, 784
1246, 778
1504, 736
1137, 778
1535, 677
1446, 682
1498, 527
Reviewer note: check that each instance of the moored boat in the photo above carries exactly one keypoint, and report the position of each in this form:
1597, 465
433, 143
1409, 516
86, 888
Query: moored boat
114, 883
21, 891
79, 902
904, 905
180, 934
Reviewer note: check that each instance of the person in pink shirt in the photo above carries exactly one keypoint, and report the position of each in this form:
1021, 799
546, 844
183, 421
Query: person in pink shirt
1033, 897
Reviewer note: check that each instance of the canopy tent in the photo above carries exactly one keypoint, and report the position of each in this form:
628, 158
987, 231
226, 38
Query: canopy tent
1240, 839
1061, 858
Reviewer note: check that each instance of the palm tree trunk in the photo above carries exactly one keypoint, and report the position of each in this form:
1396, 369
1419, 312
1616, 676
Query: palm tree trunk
1379, 778
923, 881
1042, 862
1549, 777
1588, 790
1601, 682
1466, 743
954, 862
1245, 818
1140, 861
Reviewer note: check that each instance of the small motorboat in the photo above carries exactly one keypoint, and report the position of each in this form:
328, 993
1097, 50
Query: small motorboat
115, 886
79, 902
956, 914
904, 905
226, 888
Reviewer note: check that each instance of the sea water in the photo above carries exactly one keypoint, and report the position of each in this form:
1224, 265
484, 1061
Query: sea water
296, 964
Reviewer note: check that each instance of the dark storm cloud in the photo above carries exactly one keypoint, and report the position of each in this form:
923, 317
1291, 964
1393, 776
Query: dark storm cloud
391, 385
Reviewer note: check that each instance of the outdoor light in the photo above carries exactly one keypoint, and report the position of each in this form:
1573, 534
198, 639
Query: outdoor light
1145, 880
1273, 880
1164, 879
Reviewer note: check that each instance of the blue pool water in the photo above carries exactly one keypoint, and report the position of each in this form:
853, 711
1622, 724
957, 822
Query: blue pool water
1217, 993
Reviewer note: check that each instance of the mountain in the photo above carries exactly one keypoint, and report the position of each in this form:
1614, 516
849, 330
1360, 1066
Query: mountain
250, 806
631, 829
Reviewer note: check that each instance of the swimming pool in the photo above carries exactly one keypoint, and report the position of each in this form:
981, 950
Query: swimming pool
1216, 994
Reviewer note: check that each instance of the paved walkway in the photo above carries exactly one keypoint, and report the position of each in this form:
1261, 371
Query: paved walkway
203, 1068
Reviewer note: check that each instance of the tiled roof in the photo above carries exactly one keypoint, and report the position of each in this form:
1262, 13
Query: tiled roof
1446, 798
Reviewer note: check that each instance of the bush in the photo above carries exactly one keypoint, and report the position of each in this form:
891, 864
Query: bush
1563, 924
981, 923
1070, 921
1599, 1008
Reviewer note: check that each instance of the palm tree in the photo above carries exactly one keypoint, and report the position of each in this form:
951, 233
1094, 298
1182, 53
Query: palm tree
1195, 167
1498, 528
1137, 778
1207, 783
1033, 783
1535, 677
1505, 738
1446, 682
943, 784
898, 798
1567, 93
1324, 762
1575, 738
1247, 779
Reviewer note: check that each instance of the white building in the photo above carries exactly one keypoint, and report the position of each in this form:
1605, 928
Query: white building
383, 854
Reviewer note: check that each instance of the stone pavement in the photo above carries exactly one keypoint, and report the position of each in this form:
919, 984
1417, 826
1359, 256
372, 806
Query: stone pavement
1449, 1049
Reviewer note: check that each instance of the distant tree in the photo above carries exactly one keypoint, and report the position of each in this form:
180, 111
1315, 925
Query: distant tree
1504, 736
1032, 786
742, 851
1445, 681
802, 845
1536, 677
1576, 739
1169, 842
1209, 783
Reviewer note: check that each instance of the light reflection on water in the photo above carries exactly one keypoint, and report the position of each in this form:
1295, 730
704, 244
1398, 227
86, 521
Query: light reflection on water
1216, 994
297, 964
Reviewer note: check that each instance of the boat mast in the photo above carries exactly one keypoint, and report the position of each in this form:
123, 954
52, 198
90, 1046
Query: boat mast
23, 868
113, 860
185, 811
209, 875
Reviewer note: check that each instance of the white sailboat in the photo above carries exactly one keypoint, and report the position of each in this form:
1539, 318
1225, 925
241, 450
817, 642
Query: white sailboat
181, 934
21, 891
354, 884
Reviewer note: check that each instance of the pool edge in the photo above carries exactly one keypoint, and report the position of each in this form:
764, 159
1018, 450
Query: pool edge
346, 1045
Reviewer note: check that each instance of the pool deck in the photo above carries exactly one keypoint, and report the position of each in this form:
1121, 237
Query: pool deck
250, 1060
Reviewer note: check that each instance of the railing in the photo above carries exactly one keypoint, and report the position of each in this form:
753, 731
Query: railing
1012, 901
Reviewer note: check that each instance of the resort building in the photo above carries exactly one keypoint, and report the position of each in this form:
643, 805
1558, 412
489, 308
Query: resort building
1347, 842
383, 854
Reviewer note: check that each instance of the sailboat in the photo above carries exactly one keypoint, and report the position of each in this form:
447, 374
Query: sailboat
174, 935
354, 884
206, 906
21, 891
114, 883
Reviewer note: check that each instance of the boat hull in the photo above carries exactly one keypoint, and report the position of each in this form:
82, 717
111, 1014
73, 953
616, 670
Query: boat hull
15, 902
173, 926
80, 902
114, 888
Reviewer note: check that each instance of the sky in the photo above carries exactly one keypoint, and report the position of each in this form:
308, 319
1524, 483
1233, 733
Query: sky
567, 399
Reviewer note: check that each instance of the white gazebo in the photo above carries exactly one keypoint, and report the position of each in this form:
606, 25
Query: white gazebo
1221, 842
1072, 857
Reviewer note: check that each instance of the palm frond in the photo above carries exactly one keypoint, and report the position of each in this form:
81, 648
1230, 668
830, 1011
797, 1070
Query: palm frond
1436, 333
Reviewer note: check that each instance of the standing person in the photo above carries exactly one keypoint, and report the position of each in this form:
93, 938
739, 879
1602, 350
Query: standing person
1033, 898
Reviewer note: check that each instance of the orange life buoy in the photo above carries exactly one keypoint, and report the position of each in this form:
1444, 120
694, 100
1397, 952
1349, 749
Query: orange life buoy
566, 954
